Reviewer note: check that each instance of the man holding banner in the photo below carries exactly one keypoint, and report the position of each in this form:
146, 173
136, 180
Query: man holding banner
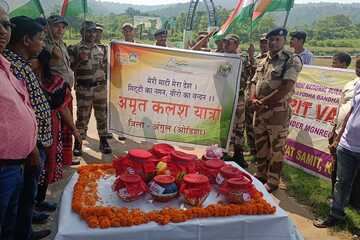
231, 43
275, 80
249, 111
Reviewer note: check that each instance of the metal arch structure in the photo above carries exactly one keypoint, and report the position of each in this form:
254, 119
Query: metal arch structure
210, 7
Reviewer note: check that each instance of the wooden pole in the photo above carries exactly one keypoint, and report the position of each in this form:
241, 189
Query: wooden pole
286, 18
251, 22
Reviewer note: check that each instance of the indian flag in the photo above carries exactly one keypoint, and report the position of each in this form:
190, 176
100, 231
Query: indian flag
30, 8
263, 6
240, 15
251, 11
74, 7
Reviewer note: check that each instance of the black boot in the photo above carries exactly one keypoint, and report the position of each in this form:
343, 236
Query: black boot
104, 145
109, 135
121, 138
239, 158
77, 148
36, 235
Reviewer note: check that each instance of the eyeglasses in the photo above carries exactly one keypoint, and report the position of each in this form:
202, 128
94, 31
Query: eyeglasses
7, 25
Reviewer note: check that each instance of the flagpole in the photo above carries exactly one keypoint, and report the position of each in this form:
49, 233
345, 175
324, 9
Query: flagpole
286, 18
85, 9
47, 22
290, 5
251, 22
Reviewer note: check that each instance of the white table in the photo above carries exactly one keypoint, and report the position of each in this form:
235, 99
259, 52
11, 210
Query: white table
265, 227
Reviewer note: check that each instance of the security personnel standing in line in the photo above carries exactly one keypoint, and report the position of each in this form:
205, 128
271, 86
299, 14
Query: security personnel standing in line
104, 48
274, 81
87, 61
127, 30
161, 37
231, 45
249, 110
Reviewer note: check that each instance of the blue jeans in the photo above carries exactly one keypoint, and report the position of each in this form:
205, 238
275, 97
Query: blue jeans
348, 163
11, 182
27, 199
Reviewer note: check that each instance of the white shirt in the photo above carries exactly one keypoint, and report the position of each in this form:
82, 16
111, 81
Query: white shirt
307, 57
346, 98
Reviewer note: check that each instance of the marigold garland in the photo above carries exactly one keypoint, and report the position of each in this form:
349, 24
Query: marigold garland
85, 198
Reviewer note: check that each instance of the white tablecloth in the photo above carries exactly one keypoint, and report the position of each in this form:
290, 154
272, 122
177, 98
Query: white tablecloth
266, 227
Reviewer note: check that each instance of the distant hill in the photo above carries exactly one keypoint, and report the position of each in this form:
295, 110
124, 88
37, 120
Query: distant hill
301, 14
105, 8
308, 13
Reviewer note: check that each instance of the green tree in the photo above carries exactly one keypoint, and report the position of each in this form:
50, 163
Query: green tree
334, 27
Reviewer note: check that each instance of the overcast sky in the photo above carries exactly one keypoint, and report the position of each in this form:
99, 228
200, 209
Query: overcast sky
156, 2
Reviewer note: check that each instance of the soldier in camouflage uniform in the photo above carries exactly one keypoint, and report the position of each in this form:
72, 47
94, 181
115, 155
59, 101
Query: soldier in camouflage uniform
104, 48
249, 111
231, 45
274, 80
88, 62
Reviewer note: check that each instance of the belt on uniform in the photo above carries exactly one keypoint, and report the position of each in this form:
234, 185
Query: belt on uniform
91, 84
10, 162
278, 104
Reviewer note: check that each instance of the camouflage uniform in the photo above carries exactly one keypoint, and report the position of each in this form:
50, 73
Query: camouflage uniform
239, 124
90, 87
249, 111
272, 123
60, 60
104, 49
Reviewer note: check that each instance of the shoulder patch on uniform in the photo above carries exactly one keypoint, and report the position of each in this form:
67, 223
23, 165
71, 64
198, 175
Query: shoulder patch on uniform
288, 53
296, 59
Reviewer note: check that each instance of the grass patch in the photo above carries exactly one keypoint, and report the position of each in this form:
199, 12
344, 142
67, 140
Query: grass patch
315, 192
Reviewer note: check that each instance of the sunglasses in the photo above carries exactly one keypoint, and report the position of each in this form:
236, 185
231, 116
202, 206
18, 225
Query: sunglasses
7, 25
127, 29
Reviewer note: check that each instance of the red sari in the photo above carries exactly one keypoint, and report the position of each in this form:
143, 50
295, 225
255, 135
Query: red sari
58, 154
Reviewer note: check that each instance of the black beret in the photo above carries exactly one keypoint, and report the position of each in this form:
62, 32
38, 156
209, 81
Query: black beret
277, 32
160, 32
299, 35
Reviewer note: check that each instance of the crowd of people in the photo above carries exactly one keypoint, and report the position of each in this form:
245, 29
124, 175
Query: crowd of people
38, 72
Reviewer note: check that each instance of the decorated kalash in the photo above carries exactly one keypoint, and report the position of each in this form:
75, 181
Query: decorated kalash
164, 174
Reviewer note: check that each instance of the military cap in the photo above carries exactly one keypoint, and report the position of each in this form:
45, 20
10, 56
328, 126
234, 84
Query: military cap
299, 35
88, 25
99, 27
232, 37
160, 32
57, 19
263, 37
202, 33
127, 25
277, 32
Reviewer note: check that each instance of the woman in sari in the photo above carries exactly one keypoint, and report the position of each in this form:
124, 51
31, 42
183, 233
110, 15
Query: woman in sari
63, 128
